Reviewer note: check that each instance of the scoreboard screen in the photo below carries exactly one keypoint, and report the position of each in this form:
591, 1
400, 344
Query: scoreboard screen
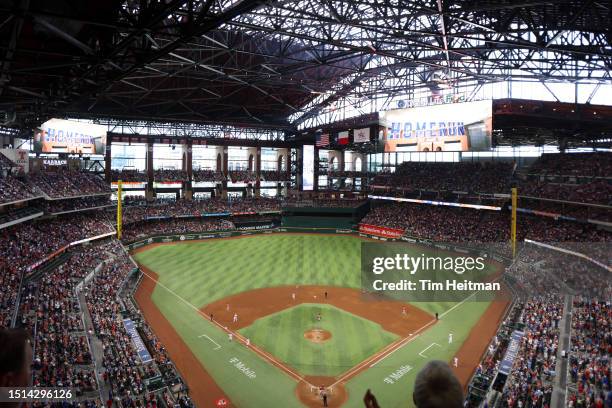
67, 136
452, 127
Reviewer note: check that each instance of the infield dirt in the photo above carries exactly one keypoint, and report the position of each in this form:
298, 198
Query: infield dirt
253, 304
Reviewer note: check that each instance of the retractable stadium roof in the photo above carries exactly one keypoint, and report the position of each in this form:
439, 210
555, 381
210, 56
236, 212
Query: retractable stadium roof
277, 63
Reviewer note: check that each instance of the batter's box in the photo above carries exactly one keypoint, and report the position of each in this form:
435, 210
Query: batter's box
422, 353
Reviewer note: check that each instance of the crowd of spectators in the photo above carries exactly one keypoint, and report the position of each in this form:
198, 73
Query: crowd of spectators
123, 371
539, 270
577, 177
131, 176
590, 354
64, 340
208, 175
62, 183
578, 276
141, 218
598, 164
578, 211
170, 175
241, 176
323, 202
581, 178
253, 205
450, 224
16, 213
487, 369
22, 245
481, 177
195, 208
135, 211
135, 231
76, 204
530, 381
529, 275
345, 173
62, 345
593, 192
14, 189
50, 309
541, 278
453, 224
274, 175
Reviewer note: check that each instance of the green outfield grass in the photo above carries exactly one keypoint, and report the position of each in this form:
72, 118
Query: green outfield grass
193, 274
353, 338
202, 272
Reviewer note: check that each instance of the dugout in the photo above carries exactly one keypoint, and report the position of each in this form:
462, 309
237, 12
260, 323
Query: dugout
323, 217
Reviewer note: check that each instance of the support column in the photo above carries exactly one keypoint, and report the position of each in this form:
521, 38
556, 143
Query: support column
287, 183
299, 168
108, 160
150, 192
225, 157
188, 167
315, 182
219, 169
258, 172
342, 167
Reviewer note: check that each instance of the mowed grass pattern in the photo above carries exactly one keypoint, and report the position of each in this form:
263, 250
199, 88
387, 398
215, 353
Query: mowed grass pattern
202, 272
353, 338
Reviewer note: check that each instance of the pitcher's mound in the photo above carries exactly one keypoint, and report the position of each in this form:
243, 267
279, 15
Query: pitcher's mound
317, 335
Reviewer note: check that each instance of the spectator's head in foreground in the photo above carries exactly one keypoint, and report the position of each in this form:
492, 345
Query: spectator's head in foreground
15, 358
436, 386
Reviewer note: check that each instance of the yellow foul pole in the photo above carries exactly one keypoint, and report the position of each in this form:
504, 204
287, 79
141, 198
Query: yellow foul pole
513, 224
119, 209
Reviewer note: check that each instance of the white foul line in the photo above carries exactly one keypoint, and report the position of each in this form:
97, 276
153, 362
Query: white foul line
377, 358
460, 303
396, 346
393, 351
378, 361
291, 373
427, 348
237, 335
217, 344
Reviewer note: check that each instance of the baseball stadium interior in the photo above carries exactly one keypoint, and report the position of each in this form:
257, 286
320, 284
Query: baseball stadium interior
188, 189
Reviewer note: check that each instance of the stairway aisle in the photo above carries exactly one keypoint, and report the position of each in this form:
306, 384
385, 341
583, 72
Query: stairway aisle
560, 382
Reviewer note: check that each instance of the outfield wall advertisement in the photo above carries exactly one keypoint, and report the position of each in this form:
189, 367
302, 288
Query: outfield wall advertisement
452, 127
380, 231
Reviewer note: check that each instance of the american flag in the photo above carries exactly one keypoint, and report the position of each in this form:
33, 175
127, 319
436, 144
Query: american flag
322, 139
